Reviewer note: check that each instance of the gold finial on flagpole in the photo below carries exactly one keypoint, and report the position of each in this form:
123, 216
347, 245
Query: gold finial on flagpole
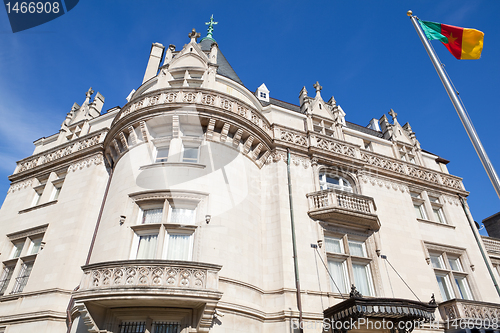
409, 13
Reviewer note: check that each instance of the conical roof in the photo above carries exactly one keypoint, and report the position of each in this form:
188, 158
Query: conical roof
224, 68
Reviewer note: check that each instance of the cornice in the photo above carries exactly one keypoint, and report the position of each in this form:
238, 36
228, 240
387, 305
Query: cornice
58, 156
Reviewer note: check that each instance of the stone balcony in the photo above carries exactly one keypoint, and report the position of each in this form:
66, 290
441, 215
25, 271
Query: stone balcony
148, 284
345, 208
473, 311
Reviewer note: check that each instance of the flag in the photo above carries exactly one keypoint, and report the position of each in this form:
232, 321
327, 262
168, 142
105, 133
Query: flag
463, 43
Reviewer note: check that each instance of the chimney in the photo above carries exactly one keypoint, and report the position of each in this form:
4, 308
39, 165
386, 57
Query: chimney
154, 61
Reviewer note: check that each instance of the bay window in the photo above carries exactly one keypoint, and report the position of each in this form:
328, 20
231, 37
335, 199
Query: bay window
166, 225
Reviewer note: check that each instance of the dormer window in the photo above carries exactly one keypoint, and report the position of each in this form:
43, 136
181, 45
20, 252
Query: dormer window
263, 95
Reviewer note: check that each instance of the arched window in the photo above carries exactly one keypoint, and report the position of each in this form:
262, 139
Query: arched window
330, 181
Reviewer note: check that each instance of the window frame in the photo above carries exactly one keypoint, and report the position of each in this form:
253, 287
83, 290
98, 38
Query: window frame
325, 185
349, 260
446, 255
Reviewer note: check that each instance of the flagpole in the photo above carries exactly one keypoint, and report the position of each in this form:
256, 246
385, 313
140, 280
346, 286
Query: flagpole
471, 132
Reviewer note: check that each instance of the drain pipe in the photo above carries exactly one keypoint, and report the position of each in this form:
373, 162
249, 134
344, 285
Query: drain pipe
478, 241
295, 259
91, 248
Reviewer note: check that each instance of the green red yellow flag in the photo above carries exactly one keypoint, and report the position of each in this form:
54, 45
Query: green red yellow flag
463, 43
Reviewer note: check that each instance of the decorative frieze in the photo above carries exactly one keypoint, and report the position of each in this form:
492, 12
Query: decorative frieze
164, 274
492, 245
68, 149
292, 137
335, 147
384, 183
87, 162
20, 185
211, 99
464, 309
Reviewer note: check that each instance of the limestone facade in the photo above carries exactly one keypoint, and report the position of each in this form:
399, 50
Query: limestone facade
173, 213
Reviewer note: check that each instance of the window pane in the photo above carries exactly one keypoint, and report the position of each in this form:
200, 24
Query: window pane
437, 261
338, 271
152, 215
164, 327
147, 247
22, 279
455, 264
5, 278
190, 154
55, 194
133, 327
161, 155
18, 247
35, 245
357, 249
463, 288
362, 279
183, 216
333, 245
178, 247
444, 287
419, 210
438, 214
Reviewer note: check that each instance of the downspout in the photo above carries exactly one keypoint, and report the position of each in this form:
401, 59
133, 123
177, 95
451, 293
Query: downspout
295, 259
91, 248
479, 244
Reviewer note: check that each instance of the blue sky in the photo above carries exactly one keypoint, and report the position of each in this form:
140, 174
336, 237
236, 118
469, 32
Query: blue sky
364, 53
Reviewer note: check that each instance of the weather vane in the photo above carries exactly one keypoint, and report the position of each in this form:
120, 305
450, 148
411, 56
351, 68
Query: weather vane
210, 29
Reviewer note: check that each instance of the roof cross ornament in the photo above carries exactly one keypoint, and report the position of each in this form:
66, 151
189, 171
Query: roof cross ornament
88, 94
317, 87
194, 35
210, 29
394, 115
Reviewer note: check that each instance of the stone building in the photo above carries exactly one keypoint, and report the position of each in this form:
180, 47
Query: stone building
201, 206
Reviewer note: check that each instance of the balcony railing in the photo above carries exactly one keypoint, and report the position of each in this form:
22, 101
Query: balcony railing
457, 309
344, 208
150, 273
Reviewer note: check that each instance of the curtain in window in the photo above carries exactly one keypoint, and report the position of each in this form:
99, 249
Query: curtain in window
443, 287
333, 245
152, 216
147, 247
362, 279
183, 216
178, 247
337, 270
356, 249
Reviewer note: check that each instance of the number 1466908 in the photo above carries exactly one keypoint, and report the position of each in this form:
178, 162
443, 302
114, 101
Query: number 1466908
46, 7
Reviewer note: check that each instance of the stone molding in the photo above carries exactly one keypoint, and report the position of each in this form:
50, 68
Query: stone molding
20, 185
27, 233
150, 273
61, 151
384, 183
492, 245
197, 96
33, 317
465, 309
86, 162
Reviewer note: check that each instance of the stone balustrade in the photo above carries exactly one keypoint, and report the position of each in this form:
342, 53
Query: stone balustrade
150, 273
481, 312
344, 206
